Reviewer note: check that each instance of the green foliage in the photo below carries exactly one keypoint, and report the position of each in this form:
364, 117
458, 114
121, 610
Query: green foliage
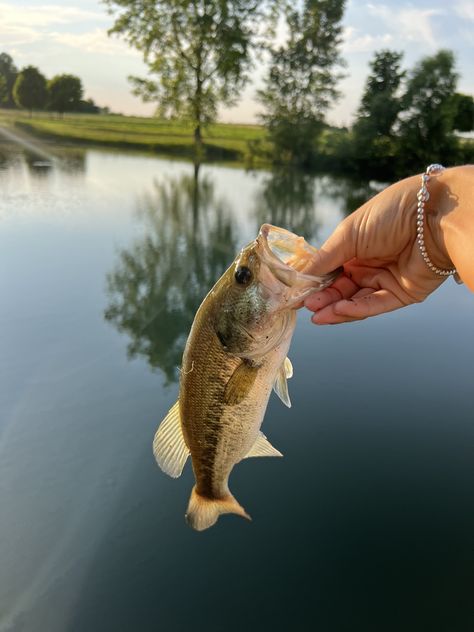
88, 107
301, 82
8, 75
199, 51
29, 90
64, 93
380, 106
373, 145
466, 152
3, 89
426, 127
463, 112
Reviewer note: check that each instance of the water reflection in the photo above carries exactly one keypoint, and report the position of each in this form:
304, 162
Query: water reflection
8, 157
287, 198
350, 193
159, 282
66, 159
38, 166
373, 499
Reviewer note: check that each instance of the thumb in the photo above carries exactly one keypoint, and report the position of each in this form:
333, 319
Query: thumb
339, 248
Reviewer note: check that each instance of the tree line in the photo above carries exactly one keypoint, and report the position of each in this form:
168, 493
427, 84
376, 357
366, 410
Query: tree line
202, 53
407, 118
29, 89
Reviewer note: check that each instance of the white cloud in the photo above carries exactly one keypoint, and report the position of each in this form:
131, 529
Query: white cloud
465, 9
96, 41
408, 23
34, 16
23, 25
12, 35
354, 42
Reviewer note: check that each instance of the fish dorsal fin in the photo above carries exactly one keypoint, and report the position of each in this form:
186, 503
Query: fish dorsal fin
240, 383
280, 385
169, 447
262, 447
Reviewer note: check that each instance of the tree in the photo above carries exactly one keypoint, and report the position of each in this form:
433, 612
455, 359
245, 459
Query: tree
377, 114
29, 90
426, 129
3, 90
301, 83
463, 112
64, 93
199, 51
88, 107
8, 75
379, 105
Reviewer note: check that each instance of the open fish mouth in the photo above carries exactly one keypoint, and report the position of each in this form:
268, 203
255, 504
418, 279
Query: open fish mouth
288, 256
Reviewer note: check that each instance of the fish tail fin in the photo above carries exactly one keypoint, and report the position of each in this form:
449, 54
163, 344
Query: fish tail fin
203, 512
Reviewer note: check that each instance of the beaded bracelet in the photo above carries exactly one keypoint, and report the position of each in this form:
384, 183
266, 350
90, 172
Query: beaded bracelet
423, 196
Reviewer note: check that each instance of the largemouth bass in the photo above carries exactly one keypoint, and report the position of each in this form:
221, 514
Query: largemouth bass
235, 353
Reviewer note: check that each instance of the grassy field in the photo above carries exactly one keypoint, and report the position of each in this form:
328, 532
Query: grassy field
221, 141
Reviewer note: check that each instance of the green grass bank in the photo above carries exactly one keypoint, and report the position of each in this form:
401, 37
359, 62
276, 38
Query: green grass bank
221, 141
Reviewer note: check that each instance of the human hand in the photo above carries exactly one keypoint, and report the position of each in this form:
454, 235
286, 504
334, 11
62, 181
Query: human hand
377, 246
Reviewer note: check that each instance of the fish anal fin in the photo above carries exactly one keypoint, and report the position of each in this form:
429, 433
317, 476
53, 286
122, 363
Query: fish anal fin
169, 447
240, 383
203, 512
262, 447
280, 385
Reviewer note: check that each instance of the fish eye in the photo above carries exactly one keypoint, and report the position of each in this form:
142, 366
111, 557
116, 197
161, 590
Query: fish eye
243, 275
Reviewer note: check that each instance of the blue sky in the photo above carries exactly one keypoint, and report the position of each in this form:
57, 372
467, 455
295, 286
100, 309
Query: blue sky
72, 37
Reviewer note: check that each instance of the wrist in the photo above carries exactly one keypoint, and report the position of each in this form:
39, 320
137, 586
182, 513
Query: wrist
438, 224
457, 220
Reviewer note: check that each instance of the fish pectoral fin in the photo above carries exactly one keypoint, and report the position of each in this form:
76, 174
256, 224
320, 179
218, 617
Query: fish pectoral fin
280, 385
262, 447
240, 383
169, 447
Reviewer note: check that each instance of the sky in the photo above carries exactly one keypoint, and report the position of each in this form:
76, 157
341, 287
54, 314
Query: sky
71, 37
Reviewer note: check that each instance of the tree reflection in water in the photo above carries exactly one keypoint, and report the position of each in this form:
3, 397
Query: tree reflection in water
287, 199
350, 193
159, 282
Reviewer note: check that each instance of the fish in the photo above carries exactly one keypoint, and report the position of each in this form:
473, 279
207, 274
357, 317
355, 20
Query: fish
235, 354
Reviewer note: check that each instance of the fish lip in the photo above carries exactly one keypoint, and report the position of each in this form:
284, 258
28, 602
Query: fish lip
299, 284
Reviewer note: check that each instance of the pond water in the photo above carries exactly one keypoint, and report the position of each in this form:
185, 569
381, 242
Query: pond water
368, 521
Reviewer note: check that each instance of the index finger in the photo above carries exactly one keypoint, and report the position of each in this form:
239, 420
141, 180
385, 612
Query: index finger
339, 248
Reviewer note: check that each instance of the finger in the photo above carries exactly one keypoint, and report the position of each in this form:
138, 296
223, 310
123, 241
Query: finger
361, 229
364, 292
342, 288
336, 250
335, 319
367, 303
